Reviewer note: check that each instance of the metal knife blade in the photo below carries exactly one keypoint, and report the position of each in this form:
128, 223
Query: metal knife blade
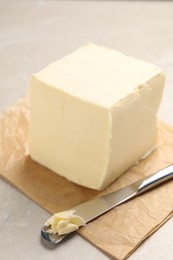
98, 206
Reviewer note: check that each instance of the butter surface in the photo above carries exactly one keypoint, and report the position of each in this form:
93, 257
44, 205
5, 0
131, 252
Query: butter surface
93, 114
64, 222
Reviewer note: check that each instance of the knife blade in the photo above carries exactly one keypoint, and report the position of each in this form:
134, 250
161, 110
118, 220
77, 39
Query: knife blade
94, 208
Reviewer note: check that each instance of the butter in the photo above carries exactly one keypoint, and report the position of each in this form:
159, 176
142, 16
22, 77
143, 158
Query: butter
93, 114
64, 222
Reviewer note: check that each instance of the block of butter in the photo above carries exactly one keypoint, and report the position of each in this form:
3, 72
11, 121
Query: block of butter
93, 114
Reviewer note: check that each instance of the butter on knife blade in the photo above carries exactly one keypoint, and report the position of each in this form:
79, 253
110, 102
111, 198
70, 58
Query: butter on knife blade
64, 222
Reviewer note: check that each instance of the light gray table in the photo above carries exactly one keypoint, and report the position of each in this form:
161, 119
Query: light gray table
35, 33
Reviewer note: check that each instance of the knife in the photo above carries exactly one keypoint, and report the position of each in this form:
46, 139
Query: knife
98, 206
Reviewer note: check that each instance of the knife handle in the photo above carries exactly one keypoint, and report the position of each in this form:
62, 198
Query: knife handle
155, 179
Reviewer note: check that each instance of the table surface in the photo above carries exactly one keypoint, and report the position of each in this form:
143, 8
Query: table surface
36, 33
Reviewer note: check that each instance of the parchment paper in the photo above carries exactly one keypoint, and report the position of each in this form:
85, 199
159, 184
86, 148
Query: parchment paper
119, 232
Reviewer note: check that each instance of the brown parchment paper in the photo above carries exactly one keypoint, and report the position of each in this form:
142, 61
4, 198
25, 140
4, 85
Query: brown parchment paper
120, 231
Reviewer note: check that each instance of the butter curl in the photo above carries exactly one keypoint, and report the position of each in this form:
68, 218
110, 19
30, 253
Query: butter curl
64, 222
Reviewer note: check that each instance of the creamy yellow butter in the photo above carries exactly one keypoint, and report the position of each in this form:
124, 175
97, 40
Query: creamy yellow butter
93, 114
64, 222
